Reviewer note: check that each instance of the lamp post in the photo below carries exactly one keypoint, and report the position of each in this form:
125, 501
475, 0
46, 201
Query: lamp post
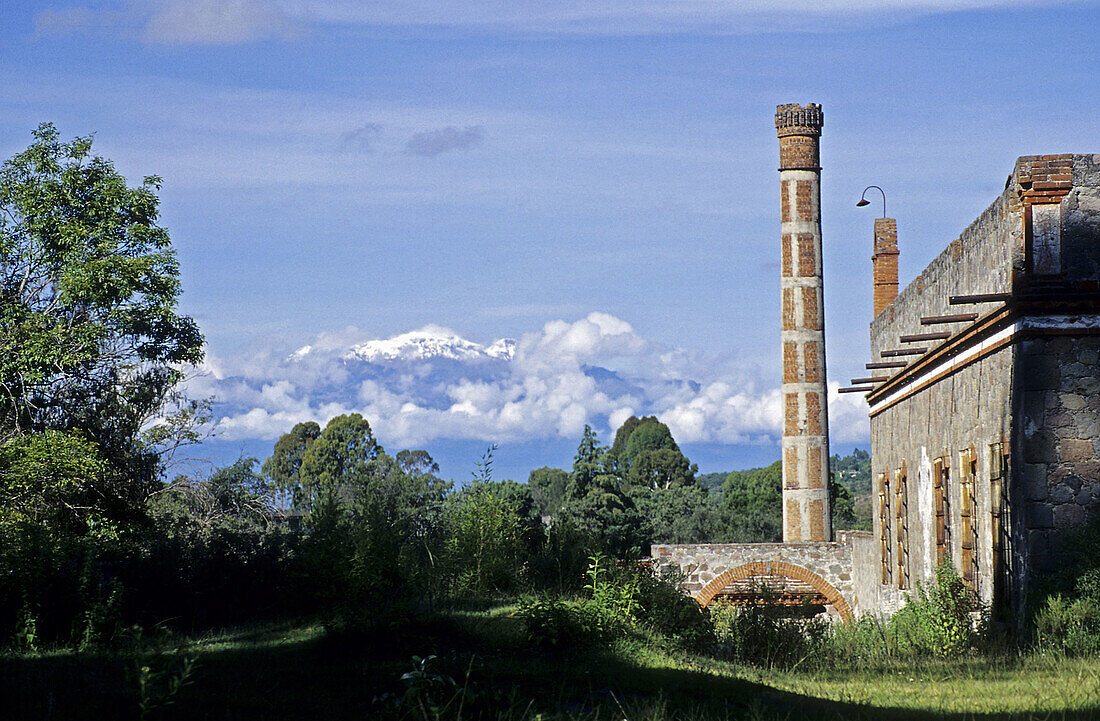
863, 199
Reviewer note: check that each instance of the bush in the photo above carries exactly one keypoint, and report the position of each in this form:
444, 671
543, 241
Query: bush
552, 622
1070, 626
665, 608
759, 634
622, 599
940, 620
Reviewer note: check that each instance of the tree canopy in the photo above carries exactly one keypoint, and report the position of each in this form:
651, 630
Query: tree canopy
88, 290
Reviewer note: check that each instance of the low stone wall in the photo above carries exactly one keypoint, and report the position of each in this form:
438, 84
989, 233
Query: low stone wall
707, 566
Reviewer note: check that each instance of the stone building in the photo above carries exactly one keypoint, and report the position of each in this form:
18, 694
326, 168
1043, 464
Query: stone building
984, 399
985, 395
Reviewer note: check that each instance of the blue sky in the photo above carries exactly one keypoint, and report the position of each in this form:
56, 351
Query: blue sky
594, 179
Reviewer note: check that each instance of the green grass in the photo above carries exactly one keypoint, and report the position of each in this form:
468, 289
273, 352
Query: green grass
298, 671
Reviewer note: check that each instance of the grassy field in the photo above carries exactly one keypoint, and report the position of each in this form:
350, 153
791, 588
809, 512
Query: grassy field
483, 668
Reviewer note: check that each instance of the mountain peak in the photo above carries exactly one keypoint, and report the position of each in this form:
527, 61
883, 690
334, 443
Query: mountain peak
430, 342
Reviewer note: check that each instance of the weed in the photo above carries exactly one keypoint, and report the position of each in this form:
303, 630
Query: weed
158, 688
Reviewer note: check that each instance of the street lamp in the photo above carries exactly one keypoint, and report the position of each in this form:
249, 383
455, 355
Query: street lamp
863, 199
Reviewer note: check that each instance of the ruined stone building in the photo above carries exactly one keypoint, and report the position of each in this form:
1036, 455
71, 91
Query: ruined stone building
983, 394
985, 407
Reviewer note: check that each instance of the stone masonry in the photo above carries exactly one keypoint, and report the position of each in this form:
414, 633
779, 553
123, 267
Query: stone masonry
985, 430
986, 445
709, 568
806, 515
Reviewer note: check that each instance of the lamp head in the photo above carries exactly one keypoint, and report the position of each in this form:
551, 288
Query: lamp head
862, 202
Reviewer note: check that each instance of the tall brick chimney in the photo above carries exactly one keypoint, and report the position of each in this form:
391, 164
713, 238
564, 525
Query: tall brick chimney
884, 263
806, 514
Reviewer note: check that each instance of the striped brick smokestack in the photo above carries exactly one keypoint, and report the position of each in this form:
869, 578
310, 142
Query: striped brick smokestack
805, 415
884, 263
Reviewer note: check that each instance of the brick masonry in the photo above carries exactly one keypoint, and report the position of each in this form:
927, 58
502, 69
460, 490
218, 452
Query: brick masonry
805, 426
884, 263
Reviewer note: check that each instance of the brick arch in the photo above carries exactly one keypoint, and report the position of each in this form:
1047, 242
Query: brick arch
776, 568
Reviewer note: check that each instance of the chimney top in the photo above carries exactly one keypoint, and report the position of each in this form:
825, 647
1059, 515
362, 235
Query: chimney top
794, 119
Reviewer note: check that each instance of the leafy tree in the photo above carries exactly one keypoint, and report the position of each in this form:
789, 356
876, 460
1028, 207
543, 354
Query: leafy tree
548, 486
416, 463
90, 348
493, 529
679, 514
639, 435
752, 505
661, 469
214, 555
375, 523
311, 464
852, 494
853, 470
841, 506
89, 284
712, 482
286, 460
597, 504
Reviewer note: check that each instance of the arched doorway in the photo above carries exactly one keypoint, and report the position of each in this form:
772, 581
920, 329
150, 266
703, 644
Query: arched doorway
764, 569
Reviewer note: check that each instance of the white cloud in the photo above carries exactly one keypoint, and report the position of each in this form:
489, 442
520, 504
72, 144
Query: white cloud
595, 370
176, 22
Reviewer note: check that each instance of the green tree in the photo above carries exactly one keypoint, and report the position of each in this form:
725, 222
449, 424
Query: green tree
286, 459
493, 530
416, 463
661, 469
752, 505
637, 436
91, 346
596, 502
375, 524
89, 283
548, 486
311, 464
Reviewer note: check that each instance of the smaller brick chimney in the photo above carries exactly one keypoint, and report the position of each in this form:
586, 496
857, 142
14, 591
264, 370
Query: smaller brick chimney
884, 263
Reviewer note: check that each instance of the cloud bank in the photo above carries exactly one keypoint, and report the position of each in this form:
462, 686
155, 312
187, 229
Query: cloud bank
432, 384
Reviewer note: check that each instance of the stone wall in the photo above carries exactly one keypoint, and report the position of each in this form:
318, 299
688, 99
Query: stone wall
1008, 402
869, 595
1058, 421
703, 563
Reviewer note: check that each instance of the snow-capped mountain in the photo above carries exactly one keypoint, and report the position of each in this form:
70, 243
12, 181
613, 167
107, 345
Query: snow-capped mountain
428, 343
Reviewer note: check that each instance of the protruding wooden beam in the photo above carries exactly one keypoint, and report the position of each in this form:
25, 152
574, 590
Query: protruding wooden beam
886, 364
873, 379
863, 389
956, 318
918, 337
902, 351
979, 298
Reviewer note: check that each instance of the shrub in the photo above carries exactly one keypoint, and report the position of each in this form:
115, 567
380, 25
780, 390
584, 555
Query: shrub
552, 622
759, 634
665, 608
1070, 626
939, 620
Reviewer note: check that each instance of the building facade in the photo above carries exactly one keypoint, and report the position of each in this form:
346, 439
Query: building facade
985, 415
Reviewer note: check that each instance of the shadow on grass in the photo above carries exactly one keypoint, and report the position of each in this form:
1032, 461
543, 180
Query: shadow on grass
304, 673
